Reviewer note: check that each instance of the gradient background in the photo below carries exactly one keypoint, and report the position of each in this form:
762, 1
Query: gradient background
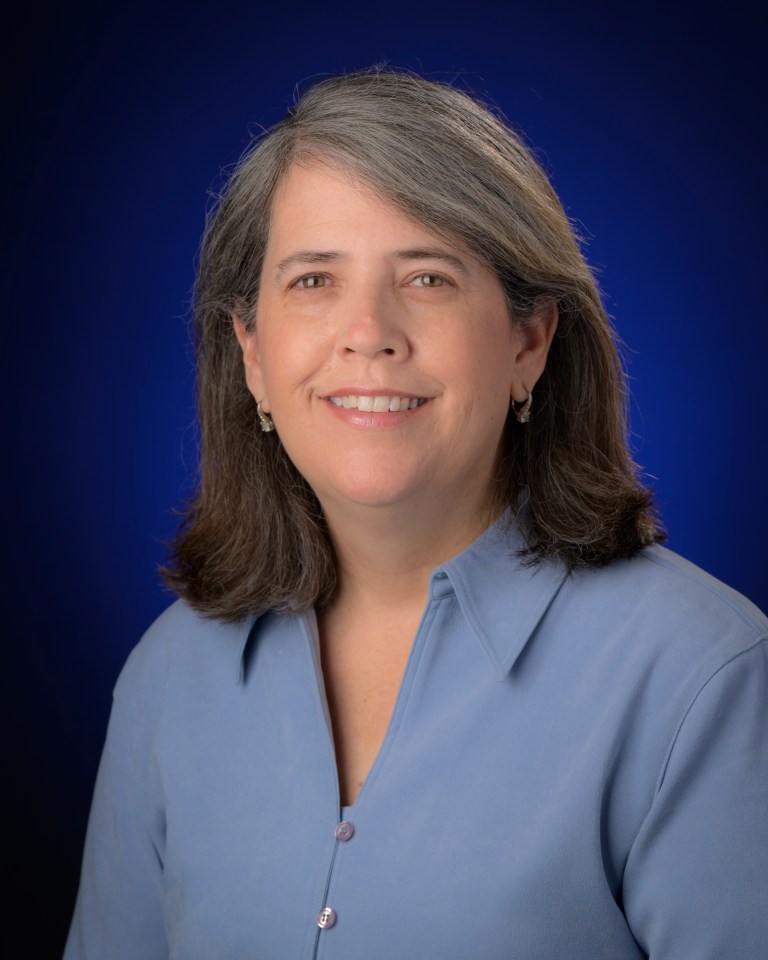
650, 123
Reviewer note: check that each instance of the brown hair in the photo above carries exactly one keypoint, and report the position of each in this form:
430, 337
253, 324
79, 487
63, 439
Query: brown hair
254, 537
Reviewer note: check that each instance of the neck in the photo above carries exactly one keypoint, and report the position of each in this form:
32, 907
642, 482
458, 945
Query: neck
385, 555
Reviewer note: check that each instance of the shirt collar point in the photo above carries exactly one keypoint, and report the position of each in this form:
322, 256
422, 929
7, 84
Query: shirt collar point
244, 645
502, 597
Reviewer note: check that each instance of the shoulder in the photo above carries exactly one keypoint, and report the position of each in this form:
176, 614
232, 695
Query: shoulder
665, 632
181, 648
657, 621
660, 591
701, 592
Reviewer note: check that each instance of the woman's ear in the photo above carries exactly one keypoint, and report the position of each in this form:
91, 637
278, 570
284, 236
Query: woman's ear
251, 362
535, 335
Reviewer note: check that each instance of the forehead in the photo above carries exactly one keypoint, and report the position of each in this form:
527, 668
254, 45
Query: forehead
320, 200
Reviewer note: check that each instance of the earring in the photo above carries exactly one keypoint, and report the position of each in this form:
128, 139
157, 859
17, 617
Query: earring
523, 412
265, 420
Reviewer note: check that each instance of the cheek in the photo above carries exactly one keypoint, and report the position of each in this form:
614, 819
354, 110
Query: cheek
292, 352
492, 368
501, 360
491, 337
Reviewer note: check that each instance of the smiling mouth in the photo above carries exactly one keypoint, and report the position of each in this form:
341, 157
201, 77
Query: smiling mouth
381, 404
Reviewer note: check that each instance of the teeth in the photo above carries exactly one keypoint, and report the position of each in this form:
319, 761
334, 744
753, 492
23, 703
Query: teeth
379, 404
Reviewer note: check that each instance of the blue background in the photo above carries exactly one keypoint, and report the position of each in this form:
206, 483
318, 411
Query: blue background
649, 120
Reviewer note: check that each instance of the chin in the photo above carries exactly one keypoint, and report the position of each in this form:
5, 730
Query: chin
365, 480
370, 497
371, 491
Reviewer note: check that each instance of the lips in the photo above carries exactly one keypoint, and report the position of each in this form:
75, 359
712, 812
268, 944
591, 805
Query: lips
377, 404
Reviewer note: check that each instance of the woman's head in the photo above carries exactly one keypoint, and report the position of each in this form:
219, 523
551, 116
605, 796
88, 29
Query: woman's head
445, 161
362, 308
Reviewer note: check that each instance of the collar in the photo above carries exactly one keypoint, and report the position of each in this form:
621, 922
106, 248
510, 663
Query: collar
501, 597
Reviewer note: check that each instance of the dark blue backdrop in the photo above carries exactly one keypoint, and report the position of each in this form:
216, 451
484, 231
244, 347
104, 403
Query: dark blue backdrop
648, 118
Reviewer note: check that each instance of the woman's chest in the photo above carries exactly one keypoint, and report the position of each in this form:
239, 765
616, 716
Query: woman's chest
479, 830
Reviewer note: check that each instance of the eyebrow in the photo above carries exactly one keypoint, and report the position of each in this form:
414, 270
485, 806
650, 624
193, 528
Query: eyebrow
423, 253
307, 256
330, 256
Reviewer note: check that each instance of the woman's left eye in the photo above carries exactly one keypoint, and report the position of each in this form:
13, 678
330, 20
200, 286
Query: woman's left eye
429, 280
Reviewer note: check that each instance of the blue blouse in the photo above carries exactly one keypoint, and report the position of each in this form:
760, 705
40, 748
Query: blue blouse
576, 767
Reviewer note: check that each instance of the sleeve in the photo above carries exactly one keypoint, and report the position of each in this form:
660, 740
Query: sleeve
119, 914
696, 881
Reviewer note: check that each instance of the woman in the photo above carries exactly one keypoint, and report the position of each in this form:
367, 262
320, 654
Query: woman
431, 690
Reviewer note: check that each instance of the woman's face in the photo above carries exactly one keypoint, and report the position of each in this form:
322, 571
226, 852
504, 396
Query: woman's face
385, 355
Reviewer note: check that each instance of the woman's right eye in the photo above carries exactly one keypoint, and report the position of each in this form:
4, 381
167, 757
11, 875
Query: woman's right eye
310, 281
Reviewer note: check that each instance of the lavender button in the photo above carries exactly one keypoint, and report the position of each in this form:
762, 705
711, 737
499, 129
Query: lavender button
326, 918
344, 831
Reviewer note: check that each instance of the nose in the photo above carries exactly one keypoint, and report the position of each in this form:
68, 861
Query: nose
372, 326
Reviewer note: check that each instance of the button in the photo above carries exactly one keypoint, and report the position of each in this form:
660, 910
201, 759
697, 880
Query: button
344, 831
326, 918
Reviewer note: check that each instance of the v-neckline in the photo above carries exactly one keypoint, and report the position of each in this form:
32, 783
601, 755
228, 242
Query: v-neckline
398, 709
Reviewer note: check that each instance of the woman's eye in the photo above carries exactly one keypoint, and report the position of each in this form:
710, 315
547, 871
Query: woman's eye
311, 281
429, 280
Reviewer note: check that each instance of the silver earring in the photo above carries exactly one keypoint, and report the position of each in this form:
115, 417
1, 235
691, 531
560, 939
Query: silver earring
265, 420
523, 412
